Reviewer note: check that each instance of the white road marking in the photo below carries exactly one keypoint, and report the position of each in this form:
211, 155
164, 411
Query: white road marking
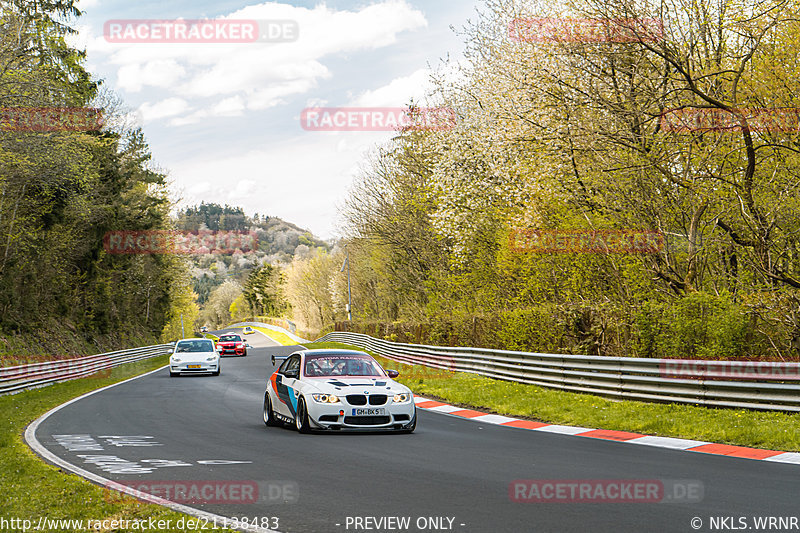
115, 465
445, 409
222, 462
563, 430
788, 457
493, 419
134, 441
78, 443
667, 442
164, 463
33, 442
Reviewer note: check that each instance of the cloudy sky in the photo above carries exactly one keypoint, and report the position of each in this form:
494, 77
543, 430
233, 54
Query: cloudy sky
224, 119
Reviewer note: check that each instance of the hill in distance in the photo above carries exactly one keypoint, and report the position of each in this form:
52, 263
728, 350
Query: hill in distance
279, 242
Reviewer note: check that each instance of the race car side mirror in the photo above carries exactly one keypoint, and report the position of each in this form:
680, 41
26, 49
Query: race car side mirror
392, 373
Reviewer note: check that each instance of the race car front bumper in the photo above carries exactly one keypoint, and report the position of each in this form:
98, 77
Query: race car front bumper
365, 418
193, 367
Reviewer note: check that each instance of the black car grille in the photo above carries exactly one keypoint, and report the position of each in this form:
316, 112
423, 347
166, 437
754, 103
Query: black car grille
329, 418
361, 399
366, 420
356, 399
378, 399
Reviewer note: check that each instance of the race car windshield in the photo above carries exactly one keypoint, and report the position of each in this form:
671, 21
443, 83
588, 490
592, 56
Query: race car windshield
195, 346
339, 365
230, 338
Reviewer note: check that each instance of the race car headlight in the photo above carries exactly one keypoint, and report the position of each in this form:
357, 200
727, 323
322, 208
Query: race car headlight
176, 359
212, 358
325, 398
401, 398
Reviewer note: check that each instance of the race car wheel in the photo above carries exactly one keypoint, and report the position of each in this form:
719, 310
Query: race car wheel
301, 417
174, 374
244, 354
269, 417
219, 369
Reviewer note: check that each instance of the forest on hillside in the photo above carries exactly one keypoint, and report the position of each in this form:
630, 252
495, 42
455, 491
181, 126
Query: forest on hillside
65, 185
62, 189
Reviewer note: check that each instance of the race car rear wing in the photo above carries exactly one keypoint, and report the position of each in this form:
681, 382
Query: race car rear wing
279, 358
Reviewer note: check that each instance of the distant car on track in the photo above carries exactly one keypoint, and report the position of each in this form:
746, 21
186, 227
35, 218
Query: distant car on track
248, 330
204, 329
231, 343
192, 356
335, 390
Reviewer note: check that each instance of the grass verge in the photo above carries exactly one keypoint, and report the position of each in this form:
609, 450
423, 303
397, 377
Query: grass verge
32, 488
757, 429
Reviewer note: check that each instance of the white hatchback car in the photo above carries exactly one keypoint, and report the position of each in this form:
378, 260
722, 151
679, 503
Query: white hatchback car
337, 390
194, 356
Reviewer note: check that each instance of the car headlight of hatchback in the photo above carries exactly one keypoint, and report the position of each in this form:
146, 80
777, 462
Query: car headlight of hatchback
403, 397
325, 398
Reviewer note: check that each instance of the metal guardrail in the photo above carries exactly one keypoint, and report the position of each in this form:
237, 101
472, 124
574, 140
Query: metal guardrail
29, 376
626, 378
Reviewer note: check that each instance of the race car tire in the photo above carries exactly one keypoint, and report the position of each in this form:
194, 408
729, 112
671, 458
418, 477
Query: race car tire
301, 417
269, 416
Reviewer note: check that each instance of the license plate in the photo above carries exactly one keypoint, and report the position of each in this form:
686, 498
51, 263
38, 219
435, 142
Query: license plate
369, 411
194, 366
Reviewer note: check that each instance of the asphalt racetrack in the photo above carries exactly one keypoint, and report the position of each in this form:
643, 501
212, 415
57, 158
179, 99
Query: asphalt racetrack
452, 474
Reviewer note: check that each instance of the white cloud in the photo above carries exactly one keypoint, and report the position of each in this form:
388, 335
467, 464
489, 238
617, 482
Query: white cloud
163, 109
270, 177
262, 74
230, 107
160, 73
243, 189
398, 92
199, 188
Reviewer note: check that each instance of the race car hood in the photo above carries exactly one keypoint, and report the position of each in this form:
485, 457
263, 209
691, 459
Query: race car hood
356, 385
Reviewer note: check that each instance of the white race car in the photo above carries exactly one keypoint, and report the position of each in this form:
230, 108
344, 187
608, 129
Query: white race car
194, 356
337, 389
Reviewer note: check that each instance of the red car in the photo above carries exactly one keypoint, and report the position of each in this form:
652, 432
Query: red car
231, 344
